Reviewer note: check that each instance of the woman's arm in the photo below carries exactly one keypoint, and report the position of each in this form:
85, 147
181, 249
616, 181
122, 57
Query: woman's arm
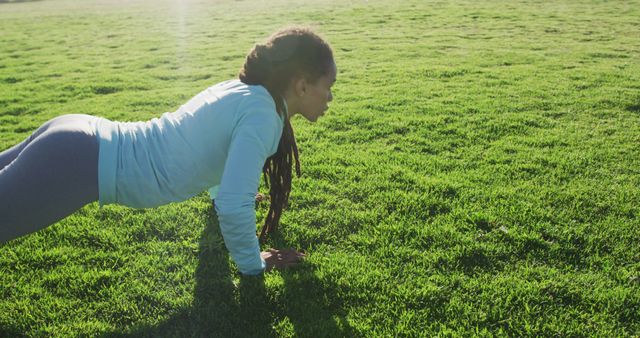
252, 142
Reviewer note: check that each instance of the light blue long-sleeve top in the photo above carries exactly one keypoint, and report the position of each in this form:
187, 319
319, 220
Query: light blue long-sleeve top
218, 141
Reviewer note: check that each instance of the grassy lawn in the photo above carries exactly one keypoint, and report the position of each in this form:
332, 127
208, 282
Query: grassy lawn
478, 172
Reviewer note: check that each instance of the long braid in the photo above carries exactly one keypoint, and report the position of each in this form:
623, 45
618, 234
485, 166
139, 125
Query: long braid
277, 172
288, 53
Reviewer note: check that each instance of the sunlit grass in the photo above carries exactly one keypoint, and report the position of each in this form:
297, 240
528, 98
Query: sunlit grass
477, 173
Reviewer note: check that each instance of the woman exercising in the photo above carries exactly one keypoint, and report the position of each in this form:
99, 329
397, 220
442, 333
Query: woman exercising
221, 140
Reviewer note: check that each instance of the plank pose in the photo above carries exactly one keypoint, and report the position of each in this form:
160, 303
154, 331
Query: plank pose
221, 141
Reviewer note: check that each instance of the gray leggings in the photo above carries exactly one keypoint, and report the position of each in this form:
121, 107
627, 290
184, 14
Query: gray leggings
48, 176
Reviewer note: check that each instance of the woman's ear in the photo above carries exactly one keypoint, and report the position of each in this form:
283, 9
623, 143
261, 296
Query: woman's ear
300, 86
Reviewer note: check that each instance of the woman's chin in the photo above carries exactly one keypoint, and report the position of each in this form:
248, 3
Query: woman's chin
312, 118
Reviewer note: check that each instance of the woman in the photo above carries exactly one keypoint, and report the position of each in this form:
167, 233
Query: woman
221, 140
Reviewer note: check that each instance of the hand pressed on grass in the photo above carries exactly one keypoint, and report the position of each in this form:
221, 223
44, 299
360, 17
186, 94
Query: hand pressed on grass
281, 259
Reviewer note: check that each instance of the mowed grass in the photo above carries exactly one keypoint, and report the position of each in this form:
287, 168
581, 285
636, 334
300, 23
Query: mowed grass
477, 174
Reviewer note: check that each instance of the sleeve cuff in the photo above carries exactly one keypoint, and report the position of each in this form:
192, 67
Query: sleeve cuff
255, 272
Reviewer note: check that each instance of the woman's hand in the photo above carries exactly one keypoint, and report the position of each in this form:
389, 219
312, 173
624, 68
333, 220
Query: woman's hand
260, 197
280, 259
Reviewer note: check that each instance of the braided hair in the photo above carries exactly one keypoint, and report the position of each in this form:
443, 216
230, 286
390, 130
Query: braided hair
287, 54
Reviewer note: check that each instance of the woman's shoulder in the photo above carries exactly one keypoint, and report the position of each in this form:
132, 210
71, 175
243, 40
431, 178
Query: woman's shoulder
255, 111
235, 86
247, 102
254, 99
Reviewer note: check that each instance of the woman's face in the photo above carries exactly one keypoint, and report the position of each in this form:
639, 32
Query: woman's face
316, 96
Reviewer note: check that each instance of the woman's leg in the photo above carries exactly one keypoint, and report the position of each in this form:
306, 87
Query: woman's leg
7, 156
12, 153
54, 174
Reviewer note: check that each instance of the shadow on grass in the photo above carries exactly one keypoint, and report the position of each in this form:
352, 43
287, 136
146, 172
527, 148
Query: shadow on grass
10, 331
635, 108
309, 305
228, 305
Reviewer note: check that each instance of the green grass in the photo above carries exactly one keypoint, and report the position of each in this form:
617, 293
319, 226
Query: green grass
477, 174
